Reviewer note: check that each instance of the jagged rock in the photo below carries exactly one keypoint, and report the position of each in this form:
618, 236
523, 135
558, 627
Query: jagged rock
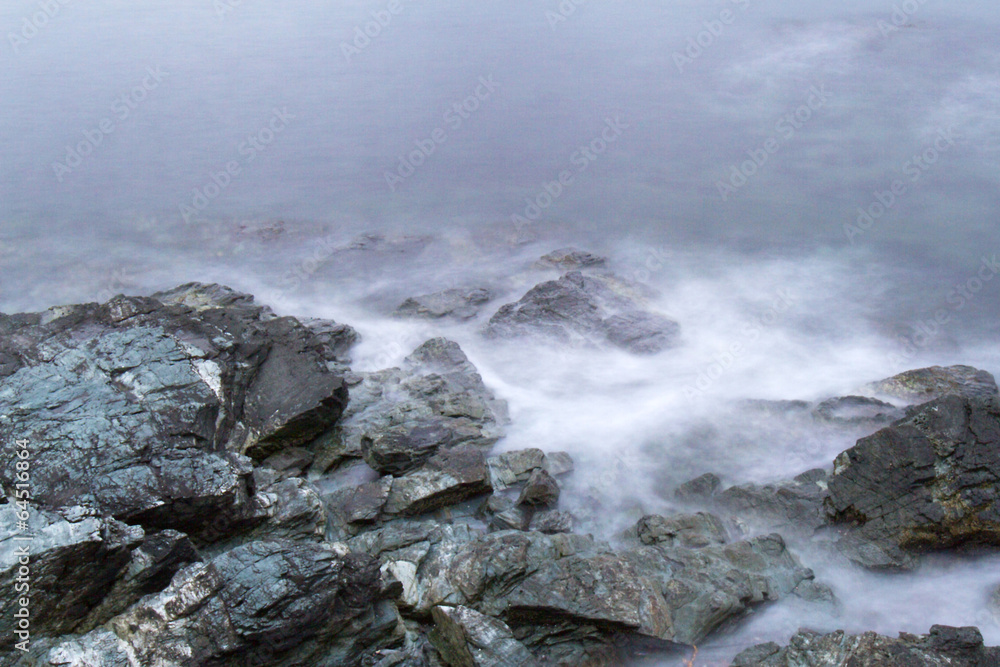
449, 477
467, 638
460, 304
290, 509
551, 522
929, 482
437, 390
942, 646
585, 309
541, 490
141, 407
925, 384
69, 568
510, 468
684, 530
569, 259
857, 410
264, 603
699, 489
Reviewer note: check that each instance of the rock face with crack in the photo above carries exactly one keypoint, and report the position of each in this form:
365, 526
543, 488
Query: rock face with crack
928, 482
586, 309
943, 646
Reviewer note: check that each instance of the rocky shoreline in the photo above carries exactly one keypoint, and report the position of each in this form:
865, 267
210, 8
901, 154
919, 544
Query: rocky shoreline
211, 484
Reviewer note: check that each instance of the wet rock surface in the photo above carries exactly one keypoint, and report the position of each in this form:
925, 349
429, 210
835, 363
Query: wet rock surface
213, 485
941, 646
586, 309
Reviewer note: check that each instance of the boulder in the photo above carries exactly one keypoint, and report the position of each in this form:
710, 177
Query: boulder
515, 467
929, 482
941, 647
925, 384
588, 310
458, 304
541, 490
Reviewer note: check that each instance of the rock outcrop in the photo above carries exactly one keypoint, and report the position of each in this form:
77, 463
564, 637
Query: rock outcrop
586, 309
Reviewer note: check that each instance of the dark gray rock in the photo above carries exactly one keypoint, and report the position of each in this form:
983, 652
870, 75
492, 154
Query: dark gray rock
541, 490
467, 638
551, 522
795, 505
449, 477
264, 603
925, 384
941, 647
436, 391
69, 568
511, 468
141, 408
927, 483
683, 530
459, 304
699, 489
585, 309
290, 462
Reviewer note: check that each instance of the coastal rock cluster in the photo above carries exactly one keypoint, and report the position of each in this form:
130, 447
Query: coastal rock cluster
211, 484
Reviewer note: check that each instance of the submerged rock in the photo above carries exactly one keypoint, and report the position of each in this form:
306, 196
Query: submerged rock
857, 410
459, 304
941, 647
569, 259
585, 309
929, 482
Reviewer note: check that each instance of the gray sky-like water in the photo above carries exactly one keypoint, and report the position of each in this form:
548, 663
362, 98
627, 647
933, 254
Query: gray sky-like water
172, 93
